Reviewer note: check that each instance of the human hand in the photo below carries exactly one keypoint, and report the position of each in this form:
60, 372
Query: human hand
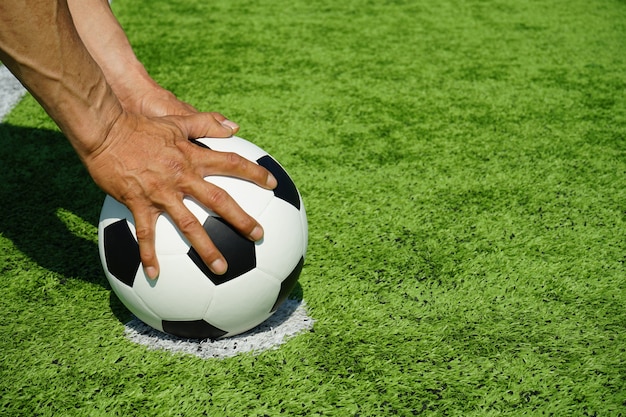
150, 165
150, 99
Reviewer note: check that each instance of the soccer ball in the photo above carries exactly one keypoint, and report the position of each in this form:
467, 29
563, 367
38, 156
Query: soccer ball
187, 299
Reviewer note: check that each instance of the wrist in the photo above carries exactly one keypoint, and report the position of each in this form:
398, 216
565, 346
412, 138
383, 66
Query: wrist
131, 82
87, 123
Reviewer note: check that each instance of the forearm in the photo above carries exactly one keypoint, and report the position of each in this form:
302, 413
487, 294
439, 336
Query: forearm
109, 46
40, 45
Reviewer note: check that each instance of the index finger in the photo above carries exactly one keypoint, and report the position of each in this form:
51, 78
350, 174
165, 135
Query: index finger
230, 164
191, 227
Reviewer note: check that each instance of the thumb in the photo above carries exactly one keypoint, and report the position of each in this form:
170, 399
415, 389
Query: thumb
214, 125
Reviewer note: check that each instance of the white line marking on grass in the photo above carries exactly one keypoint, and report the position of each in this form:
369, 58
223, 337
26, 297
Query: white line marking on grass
289, 320
11, 92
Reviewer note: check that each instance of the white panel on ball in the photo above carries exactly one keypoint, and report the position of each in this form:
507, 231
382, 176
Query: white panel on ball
135, 304
304, 224
243, 303
115, 211
282, 241
179, 280
250, 197
175, 244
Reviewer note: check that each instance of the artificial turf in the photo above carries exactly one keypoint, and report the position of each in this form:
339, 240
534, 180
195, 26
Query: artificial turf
463, 166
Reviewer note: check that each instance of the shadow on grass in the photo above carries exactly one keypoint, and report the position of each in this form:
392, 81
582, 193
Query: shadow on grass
40, 178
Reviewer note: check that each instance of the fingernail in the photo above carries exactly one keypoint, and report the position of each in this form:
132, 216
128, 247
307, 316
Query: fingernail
257, 233
271, 182
151, 272
218, 267
231, 125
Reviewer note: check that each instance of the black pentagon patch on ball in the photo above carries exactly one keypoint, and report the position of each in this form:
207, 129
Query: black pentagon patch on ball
239, 251
286, 189
287, 285
121, 252
193, 329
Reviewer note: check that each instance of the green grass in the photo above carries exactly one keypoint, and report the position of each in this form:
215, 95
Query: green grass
463, 164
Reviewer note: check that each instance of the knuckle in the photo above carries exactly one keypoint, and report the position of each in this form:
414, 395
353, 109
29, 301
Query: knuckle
247, 224
217, 197
175, 168
207, 250
187, 223
147, 252
235, 161
147, 256
143, 233
210, 254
